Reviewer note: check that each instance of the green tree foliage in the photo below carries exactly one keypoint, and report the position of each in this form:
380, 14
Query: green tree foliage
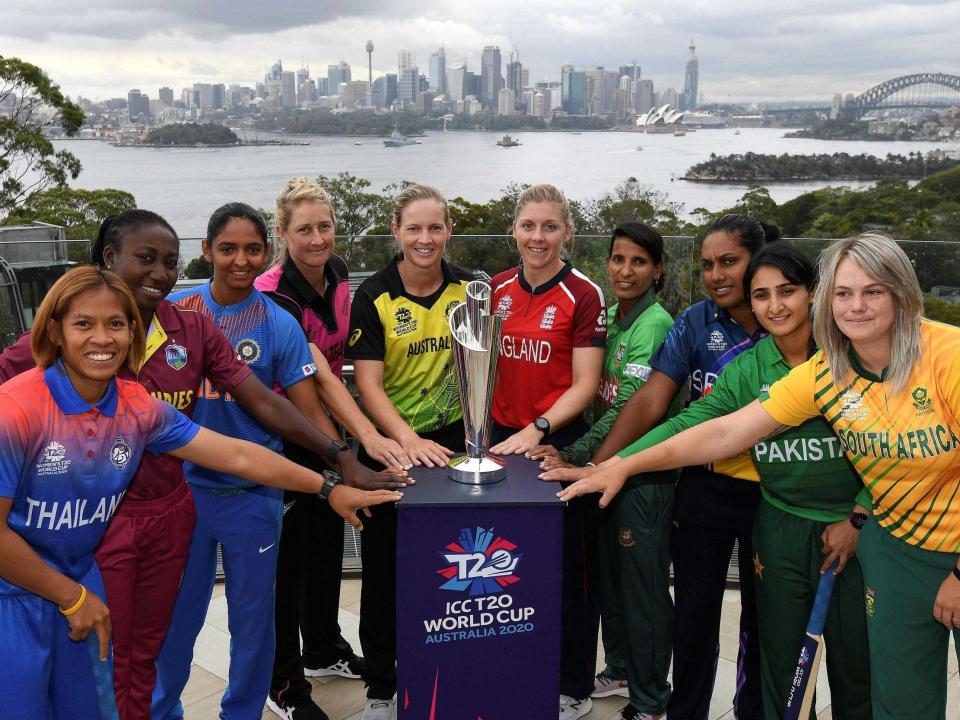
197, 269
32, 106
79, 211
192, 134
325, 122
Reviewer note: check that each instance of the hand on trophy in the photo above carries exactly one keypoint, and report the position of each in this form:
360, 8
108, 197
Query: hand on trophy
426, 452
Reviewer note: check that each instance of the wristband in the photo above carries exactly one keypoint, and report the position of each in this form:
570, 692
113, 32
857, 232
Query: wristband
330, 481
77, 605
590, 464
335, 449
858, 519
956, 572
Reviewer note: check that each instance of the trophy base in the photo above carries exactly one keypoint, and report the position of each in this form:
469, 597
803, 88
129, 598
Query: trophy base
476, 471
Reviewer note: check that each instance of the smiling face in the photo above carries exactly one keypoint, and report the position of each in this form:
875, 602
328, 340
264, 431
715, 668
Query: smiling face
146, 260
309, 235
863, 308
94, 336
632, 271
780, 306
423, 233
540, 231
724, 261
237, 254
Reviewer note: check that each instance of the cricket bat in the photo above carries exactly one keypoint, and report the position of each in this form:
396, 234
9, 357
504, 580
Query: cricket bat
103, 680
804, 685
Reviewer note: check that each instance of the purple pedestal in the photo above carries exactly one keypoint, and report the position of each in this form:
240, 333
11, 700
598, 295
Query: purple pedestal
478, 598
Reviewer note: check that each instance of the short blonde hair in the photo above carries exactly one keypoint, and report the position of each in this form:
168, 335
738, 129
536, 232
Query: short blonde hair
545, 193
880, 257
414, 193
57, 302
298, 190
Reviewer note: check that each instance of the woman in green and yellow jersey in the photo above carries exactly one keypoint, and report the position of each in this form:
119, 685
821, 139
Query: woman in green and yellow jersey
888, 382
401, 349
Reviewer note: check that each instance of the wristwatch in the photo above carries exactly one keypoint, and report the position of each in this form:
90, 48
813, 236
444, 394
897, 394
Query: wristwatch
335, 449
542, 424
858, 519
330, 481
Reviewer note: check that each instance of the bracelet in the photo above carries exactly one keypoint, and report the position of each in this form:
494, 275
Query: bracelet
335, 449
78, 604
956, 572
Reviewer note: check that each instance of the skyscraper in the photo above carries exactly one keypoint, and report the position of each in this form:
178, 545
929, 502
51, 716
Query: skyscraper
643, 96
166, 96
506, 101
438, 72
691, 82
491, 76
138, 105
288, 89
514, 75
573, 90
632, 70
455, 78
408, 85
337, 74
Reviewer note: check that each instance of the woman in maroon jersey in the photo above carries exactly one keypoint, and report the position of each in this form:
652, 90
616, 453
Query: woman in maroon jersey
144, 551
551, 352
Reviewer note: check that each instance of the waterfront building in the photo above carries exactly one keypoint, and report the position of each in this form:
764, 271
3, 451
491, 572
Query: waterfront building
425, 102
539, 105
670, 97
438, 72
456, 75
491, 76
138, 105
471, 84
337, 75
643, 96
573, 90
506, 100
408, 85
166, 96
288, 89
355, 94
306, 92
515, 75
691, 81
471, 106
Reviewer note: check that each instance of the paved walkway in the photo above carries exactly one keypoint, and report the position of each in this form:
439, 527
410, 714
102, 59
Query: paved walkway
343, 699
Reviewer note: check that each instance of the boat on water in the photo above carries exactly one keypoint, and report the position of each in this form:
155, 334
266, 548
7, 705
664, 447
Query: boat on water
507, 141
736, 132
358, 143
639, 147
679, 132
398, 139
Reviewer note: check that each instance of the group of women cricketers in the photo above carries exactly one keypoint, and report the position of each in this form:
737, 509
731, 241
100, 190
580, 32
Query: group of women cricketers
139, 432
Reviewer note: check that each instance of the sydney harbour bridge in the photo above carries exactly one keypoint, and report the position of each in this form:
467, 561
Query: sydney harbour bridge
917, 91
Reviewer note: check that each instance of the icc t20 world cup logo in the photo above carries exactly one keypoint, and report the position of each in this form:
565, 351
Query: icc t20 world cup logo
479, 563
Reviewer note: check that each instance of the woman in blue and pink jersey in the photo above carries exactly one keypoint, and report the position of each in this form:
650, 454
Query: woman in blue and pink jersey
71, 439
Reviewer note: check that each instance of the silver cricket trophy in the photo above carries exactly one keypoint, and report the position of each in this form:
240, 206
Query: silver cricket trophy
476, 342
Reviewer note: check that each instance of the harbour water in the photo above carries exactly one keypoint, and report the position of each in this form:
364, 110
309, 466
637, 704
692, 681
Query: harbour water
186, 184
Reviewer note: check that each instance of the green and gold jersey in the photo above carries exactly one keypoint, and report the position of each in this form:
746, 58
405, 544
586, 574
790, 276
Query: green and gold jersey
410, 335
905, 446
803, 471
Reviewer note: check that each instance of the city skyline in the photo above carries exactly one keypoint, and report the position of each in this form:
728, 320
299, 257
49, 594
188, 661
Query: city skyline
760, 51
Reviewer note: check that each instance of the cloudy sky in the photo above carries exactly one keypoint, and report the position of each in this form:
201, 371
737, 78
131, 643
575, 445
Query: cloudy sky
749, 49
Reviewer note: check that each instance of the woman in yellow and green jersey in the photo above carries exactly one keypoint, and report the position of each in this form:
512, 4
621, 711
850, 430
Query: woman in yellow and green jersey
888, 382
401, 350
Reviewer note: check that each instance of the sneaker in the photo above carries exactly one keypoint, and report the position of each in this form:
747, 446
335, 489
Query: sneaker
605, 686
306, 709
572, 708
350, 667
380, 709
631, 713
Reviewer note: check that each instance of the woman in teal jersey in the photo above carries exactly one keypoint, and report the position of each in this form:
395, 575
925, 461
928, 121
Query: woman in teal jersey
634, 532
810, 514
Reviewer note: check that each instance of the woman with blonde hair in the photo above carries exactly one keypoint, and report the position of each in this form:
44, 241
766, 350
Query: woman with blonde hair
400, 346
551, 352
888, 381
311, 282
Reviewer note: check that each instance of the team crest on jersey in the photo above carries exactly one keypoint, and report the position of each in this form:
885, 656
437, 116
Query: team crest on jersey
120, 453
625, 538
176, 356
479, 563
619, 356
549, 315
503, 310
717, 342
406, 323
870, 601
449, 308
921, 401
54, 460
248, 350
851, 406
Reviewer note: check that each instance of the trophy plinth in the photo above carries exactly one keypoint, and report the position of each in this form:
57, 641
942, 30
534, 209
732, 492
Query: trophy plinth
476, 342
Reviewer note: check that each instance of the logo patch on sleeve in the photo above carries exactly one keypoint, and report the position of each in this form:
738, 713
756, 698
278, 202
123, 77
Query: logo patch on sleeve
638, 371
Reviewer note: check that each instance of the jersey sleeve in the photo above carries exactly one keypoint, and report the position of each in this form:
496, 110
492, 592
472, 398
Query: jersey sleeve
589, 319
791, 399
16, 359
675, 355
13, 446
172, 429
220, 362
728, 395
635, 371
366, 341
293, 361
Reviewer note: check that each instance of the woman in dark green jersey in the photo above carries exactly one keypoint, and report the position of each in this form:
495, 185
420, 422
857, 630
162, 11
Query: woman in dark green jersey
810, 514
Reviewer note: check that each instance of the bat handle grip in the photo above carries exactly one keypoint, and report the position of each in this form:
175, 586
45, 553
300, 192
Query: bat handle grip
103, 680
821, 604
